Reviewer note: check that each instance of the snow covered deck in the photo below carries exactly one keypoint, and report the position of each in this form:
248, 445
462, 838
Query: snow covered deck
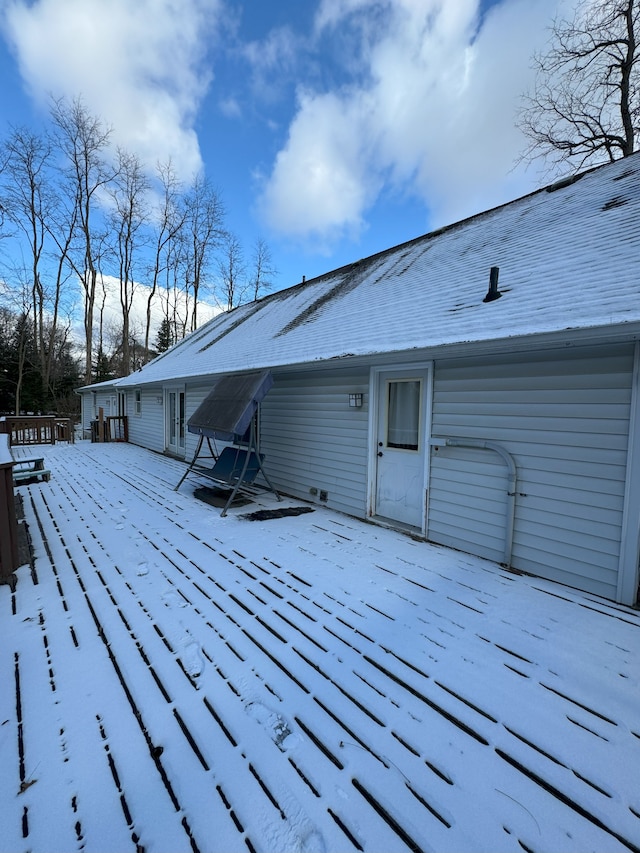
174, 681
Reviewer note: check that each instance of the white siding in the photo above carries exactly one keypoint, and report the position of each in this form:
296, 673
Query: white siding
105, 400
195, 395
309, 435
313, 440
87, 412
564, 417
147, 428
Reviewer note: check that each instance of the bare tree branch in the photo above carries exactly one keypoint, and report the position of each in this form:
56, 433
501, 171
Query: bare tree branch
231, 267
127, 219
83, 140
263, 271
585, 104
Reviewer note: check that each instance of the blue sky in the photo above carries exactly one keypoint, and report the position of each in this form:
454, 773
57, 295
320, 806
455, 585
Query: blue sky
332, 128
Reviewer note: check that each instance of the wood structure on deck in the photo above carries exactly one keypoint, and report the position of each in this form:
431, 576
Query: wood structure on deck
36, 429
8, 522
356, 690
110, 428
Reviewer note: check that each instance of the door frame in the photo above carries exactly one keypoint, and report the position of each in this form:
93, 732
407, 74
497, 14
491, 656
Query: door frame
375, 375
168, 390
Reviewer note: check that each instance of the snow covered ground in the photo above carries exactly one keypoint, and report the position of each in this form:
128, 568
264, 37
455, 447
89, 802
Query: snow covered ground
171, 680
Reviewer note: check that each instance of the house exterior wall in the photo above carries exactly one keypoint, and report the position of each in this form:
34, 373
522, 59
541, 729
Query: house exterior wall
93, 401
564, 418
313, 439
146, 427
563, 415
87, 412
195, 395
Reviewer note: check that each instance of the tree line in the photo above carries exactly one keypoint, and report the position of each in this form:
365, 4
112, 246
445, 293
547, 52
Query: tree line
82, 228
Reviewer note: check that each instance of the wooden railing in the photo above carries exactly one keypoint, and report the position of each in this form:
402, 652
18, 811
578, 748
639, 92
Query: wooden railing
38, 429
8, 521
117, 428
111, 428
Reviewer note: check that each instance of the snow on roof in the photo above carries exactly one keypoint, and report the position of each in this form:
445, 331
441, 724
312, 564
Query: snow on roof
568, 258
96, 386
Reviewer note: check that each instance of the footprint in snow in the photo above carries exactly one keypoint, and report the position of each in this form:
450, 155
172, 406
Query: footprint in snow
273, 723
172, 599
192, 659
313, 842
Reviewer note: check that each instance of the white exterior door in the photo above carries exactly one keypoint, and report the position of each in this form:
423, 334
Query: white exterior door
175, 425
400, 462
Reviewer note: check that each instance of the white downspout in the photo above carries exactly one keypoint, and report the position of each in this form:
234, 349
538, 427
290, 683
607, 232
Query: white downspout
481, 444
628, 572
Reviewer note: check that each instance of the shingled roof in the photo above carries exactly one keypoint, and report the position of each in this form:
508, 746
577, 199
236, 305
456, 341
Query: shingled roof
568, 258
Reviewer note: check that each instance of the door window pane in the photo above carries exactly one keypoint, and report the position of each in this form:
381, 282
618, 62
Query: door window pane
172, 418
403, 414
181, 419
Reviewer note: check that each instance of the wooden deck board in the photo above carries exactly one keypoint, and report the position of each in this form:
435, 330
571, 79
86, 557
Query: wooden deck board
310, 683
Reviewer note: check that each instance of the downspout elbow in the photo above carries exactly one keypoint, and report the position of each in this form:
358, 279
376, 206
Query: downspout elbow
482, 444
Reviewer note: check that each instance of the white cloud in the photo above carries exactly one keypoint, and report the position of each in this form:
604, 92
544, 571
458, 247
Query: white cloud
278, 50
138, 65
273, 62
319, 183
230, 108
331, 12
428, 110
109, 289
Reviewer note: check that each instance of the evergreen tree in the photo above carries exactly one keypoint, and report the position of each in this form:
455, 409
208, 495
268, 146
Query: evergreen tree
23, 371
164, 338
103, 368
7, 362
22, 387
65, 379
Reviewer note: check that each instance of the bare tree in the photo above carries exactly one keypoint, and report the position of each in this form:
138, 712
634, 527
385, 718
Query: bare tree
232, 269
263, 270
83, 140
62, 232
174, 292
24, 200
585, 106
102, 303
33, 205
168, 220
17, 299
129, 214
203, 233
180, 276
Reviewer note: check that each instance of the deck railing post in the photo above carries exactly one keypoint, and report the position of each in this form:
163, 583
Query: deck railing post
116, 428
8, 520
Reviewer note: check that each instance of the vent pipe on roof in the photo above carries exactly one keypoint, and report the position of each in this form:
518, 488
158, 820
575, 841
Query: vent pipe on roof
493, 292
